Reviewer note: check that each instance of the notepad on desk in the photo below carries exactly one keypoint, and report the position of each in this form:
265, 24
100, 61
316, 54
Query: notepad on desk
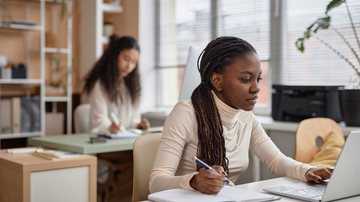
226, 194
123, 134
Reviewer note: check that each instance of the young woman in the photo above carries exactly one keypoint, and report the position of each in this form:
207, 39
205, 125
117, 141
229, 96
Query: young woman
113, 86
218, 127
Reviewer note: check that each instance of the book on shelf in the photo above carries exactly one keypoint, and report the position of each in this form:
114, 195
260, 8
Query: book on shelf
5, 115
16, 114
30, 114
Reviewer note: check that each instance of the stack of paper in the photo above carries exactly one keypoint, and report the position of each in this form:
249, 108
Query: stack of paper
55, 154
226, 194
128, 133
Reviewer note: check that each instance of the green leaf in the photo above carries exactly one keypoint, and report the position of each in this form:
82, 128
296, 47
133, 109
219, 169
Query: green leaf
333, 4
324, 22
300, 44
307, 33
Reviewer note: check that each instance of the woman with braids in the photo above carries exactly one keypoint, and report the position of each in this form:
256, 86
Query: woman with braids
113, 86
218, 127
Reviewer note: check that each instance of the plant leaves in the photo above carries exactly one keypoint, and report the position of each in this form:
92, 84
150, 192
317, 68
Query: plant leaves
333, 4
324, 22
300, 44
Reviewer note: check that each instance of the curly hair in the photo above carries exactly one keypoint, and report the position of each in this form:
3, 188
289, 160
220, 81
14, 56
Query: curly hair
217, 55
106, 71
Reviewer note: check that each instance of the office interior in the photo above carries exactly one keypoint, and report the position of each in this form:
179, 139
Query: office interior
48, 46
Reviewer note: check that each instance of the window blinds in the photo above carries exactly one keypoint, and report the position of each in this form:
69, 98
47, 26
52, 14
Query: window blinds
318, 65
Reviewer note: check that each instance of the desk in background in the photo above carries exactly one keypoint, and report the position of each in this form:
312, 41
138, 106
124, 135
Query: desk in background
80, 143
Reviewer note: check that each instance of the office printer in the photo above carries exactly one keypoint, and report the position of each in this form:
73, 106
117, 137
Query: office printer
295, 103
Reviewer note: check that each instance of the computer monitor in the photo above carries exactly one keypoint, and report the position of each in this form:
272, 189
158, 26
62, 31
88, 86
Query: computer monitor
192, 75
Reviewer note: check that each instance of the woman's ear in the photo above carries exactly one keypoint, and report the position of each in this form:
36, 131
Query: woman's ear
216, 81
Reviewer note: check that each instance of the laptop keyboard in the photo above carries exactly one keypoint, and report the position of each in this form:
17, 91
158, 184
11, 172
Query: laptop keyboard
314, 191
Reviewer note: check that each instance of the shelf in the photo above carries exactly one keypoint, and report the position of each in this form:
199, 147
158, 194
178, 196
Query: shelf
110, 8
20, 81
21, 27
57, 50
56, 99
20, 135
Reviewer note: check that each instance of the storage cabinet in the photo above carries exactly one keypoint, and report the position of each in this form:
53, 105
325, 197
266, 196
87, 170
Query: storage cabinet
35, 65
25, 177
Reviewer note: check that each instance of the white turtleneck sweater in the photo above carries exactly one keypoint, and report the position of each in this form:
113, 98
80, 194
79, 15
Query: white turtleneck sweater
174, 168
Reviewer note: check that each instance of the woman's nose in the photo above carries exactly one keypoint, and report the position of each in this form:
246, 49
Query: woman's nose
255, 87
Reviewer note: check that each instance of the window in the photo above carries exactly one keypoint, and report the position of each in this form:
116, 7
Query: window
249, 20
181, 23
190, 22
318, 65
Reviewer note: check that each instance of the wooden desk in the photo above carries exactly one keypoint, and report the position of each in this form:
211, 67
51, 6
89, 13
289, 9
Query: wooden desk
258, 186
25, 177
80, 143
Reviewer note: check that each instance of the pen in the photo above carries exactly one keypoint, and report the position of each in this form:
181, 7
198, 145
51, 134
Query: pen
206, 166
115, 120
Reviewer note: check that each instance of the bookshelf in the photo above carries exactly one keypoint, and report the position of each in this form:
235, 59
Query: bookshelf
28, 50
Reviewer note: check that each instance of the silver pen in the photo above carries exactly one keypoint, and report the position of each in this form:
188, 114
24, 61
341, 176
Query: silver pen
206, 166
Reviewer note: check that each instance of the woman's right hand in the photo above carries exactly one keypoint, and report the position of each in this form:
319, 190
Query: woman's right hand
114, 128
207, 181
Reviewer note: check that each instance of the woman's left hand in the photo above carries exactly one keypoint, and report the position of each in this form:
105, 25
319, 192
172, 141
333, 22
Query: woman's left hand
318, 175
144, 124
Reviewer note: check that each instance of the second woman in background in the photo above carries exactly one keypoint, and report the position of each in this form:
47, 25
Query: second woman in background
113, 86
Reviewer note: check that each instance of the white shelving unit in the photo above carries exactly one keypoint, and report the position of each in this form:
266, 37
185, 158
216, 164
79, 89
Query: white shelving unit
67, 51
92, 41
33, 43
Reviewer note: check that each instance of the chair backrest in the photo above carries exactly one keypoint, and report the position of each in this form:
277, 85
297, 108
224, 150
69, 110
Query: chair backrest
82, 118
310, 134
144, 151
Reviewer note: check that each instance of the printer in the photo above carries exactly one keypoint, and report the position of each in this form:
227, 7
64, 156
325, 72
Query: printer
296, 103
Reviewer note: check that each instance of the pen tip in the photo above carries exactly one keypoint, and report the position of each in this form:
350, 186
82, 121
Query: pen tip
231, 183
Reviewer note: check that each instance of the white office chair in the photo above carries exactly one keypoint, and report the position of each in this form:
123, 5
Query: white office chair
82, 118
144, 151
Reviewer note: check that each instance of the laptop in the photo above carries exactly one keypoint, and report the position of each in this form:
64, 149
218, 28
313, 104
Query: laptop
344, 182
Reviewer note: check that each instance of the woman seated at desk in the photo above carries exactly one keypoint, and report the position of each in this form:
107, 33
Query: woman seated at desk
113, 86
218, 127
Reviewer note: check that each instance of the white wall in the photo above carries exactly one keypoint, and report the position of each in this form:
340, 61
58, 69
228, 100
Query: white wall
147, 59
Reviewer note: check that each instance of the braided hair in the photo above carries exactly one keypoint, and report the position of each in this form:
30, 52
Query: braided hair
217, 55
106, 70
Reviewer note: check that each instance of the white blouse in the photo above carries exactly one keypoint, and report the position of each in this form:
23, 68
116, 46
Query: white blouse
102, 107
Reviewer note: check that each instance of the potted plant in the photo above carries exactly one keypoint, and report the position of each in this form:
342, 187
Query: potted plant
350, 95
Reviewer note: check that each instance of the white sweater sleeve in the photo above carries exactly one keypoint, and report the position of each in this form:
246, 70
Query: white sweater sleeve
269, 154
170, 151
100, 121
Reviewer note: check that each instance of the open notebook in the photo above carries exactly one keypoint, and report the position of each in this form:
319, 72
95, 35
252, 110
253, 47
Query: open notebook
344, 182
123, 134
226, 194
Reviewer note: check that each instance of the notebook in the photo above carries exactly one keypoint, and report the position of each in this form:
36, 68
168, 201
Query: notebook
344, 182
226, 194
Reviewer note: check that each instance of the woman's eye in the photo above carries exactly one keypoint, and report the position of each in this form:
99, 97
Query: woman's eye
259, 79
246, 80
